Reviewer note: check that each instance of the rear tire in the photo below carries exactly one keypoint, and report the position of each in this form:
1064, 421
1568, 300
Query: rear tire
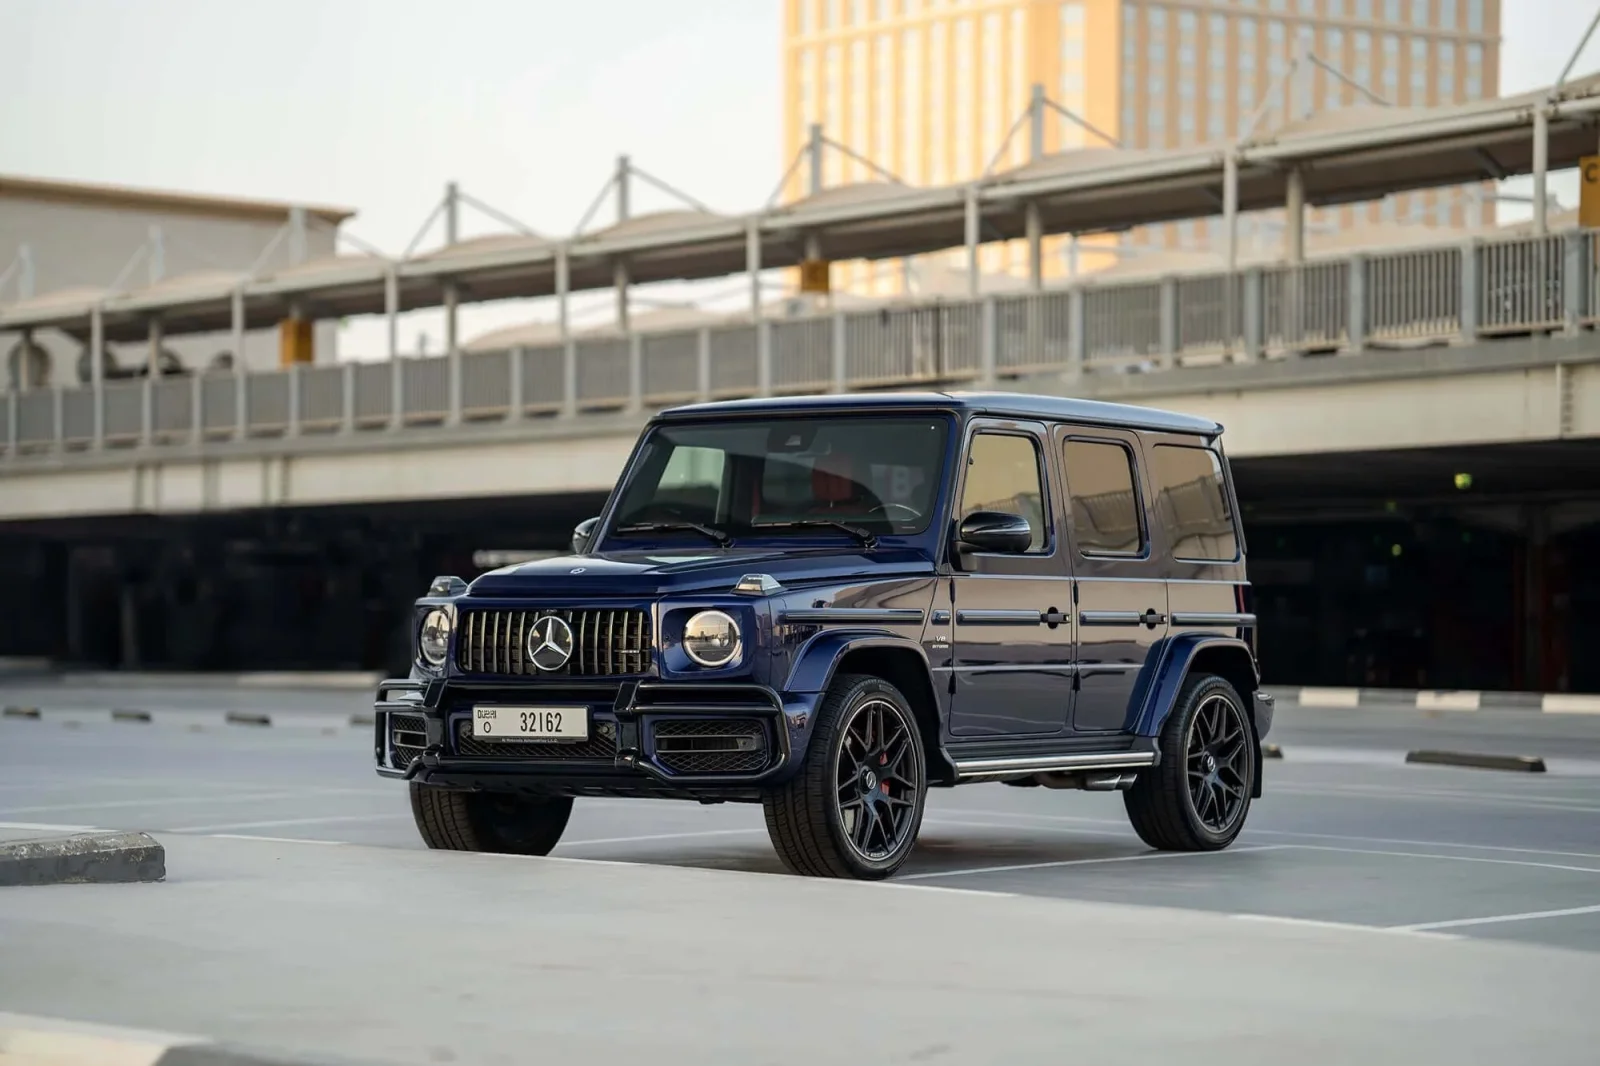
499, 822
1198, 796
855, 807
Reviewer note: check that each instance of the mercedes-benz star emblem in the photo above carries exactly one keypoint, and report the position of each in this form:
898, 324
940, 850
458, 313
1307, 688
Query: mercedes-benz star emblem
549, 643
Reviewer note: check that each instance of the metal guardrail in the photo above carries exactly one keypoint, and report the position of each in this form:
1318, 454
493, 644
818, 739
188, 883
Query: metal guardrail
1456, 293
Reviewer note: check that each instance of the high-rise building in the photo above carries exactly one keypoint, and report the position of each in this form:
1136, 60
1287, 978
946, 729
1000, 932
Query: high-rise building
928, 90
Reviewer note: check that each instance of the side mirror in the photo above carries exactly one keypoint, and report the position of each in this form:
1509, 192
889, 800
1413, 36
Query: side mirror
582, 535
995, 531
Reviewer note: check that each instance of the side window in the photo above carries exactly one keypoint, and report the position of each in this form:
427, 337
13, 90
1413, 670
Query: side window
1105, 501
1003, 474
1192, 500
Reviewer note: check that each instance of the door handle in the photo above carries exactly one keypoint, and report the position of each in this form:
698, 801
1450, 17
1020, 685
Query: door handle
1152, 619
1053, 618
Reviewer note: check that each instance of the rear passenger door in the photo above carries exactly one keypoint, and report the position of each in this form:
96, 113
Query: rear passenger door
1200, 537
1120, 587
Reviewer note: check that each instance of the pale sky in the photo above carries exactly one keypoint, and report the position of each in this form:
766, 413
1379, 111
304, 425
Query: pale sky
376, 104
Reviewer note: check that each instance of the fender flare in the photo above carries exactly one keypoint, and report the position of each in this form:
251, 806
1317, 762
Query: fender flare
1177, 656
817, 660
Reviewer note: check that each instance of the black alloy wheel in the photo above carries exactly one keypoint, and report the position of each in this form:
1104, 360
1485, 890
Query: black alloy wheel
1217, 762
855, 806
876, 777
1198, 796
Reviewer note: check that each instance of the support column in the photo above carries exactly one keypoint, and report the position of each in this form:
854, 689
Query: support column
391, 310
1541, 170
1294, 233
452, 295
569, 354
619, 276
24, 363
97, 372
973, 279
452, 305
153, 358
1035, 231
752, 265
297, 235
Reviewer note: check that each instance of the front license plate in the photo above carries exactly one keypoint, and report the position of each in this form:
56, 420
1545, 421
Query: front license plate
530, 723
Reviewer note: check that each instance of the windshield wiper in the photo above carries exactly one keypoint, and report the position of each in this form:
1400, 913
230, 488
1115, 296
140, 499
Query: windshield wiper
712, 532
868, 539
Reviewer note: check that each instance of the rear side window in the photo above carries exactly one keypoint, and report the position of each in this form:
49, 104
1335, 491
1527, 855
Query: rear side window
1192, 501
1105, 504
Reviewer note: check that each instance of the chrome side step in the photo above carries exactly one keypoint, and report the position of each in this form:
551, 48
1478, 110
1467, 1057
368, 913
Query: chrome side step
972, 769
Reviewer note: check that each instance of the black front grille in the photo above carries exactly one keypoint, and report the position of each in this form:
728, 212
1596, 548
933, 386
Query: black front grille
408, 735
601, 745
605, 642
711, 745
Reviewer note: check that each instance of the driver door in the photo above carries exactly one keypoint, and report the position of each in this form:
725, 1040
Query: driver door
1013, 635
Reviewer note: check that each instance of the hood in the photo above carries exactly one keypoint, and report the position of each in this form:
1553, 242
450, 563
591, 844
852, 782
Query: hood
648, 573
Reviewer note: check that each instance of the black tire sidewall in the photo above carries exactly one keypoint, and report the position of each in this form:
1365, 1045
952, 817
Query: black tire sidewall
1197, 693
851, 698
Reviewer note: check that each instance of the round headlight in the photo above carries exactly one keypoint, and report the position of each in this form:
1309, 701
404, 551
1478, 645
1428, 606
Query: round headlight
711, 638
434, 638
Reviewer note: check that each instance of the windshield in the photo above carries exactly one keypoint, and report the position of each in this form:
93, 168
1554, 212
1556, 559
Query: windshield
878, 474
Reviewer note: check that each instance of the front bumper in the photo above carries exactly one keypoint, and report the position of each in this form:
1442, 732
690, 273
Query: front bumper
645, 737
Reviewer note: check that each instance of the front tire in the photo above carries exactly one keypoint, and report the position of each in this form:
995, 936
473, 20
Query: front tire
1198, 796
499, 822
855, 807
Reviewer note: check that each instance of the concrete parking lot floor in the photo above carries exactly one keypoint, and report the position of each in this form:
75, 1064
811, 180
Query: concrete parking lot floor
1348, 859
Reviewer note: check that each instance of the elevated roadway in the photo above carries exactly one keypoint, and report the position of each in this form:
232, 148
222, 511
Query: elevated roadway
1532, 391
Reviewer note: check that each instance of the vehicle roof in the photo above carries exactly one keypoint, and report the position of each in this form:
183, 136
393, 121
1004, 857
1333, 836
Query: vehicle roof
1001, 404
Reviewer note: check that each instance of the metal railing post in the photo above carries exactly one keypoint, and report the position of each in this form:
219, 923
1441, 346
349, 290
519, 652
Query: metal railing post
1169, 322
293, 428
988, 343
347, 398
1252, 308
702, 364
635, 373
453, 386
13, 412
1574, 282
1077, 334
763, 358
1471, 280
97, 374
1358, 318
197, 411
147, 411
58, 435
397, 393
569, 377
517, 405
838, 355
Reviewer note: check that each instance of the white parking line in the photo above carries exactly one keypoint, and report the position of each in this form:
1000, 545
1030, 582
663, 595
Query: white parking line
1526, 916
1318, 923
277, 840
281, 822
37, 827
1072, 824
223, 797
1445, 858
1141, 857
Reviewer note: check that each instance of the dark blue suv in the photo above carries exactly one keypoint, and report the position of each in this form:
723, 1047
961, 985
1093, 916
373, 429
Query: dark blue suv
829, 605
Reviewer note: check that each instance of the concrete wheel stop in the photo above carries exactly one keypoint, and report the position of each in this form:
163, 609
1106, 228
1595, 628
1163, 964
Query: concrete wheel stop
83, 858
